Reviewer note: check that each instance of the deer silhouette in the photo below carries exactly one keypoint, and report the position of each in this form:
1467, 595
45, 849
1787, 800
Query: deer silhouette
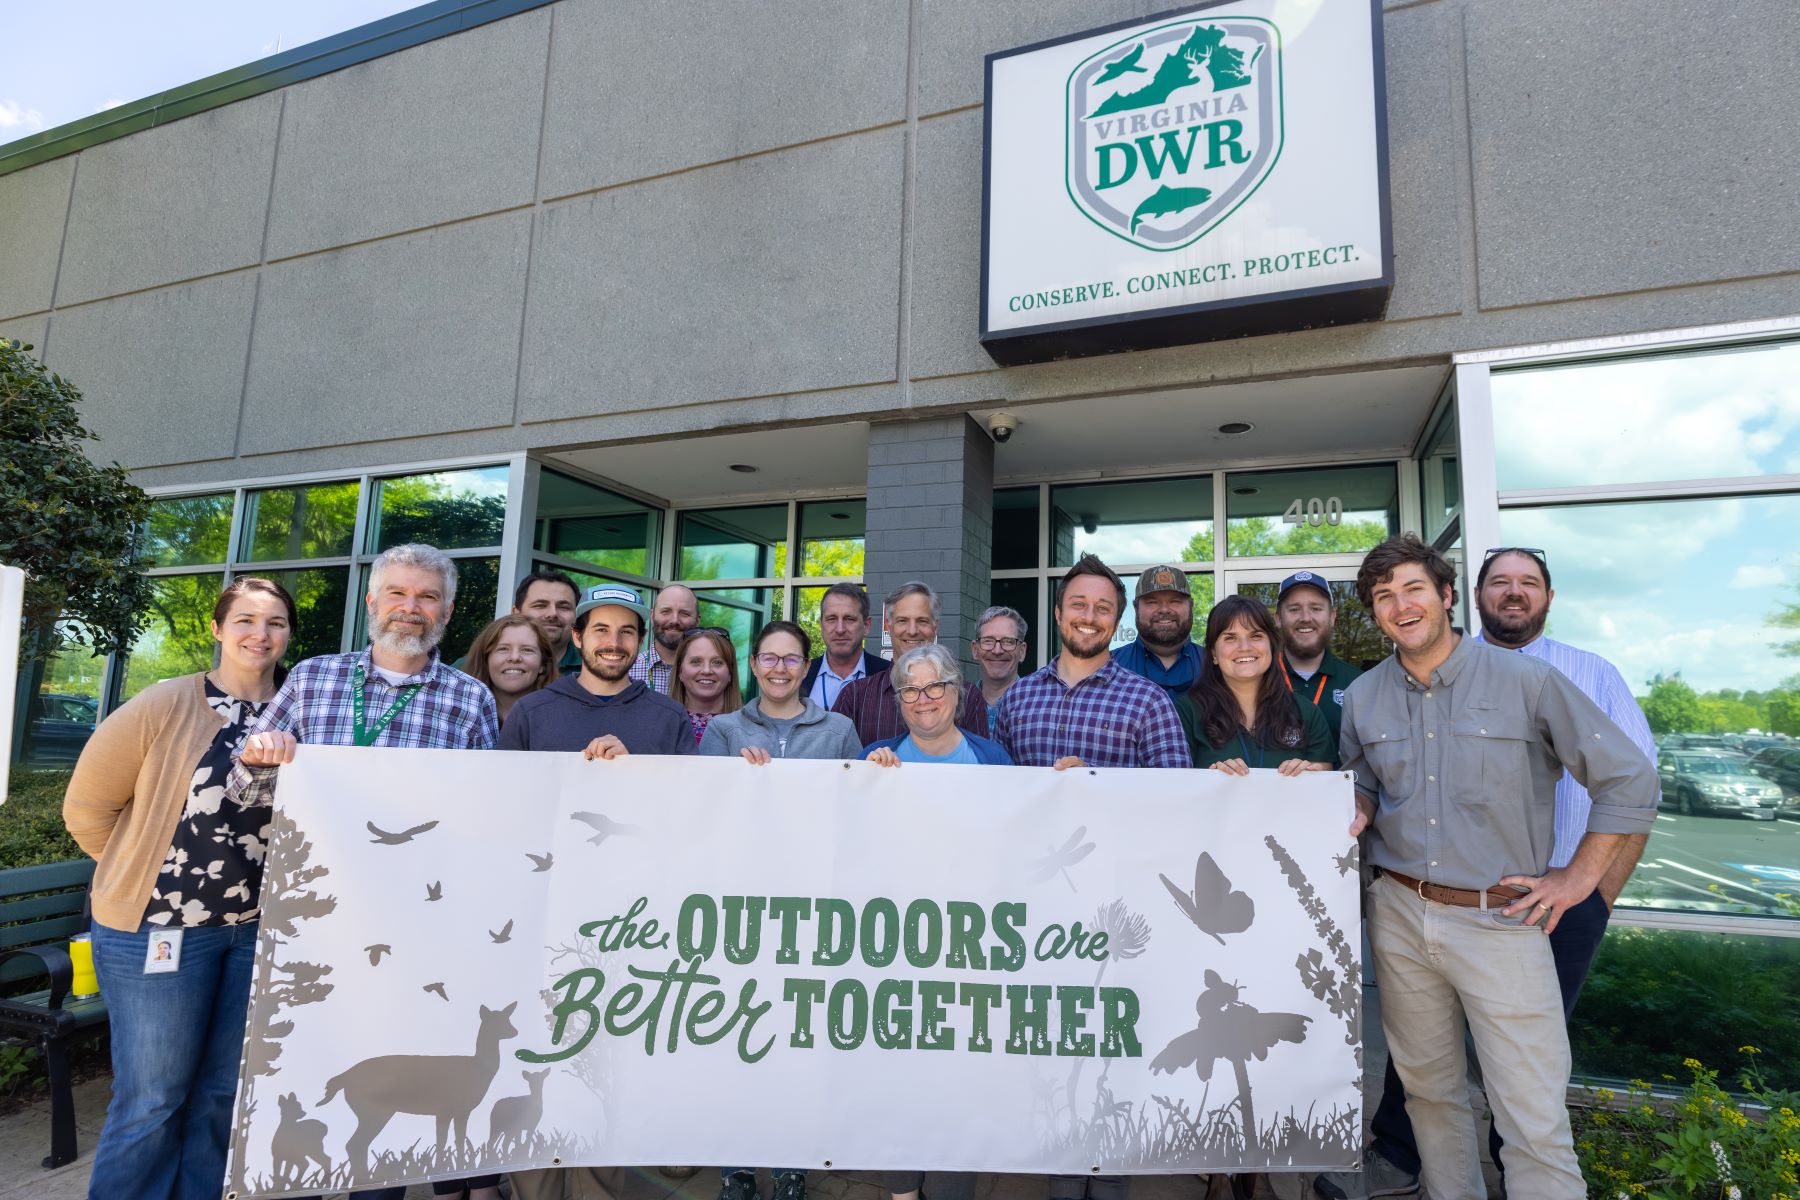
444, 1086
296, 1141
515, 1118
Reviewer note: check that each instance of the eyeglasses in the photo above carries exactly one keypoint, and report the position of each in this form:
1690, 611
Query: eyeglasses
999, 643
1542, 558
931, 691
769, 662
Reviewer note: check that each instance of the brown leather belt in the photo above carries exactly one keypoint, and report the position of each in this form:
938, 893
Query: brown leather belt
1497, 897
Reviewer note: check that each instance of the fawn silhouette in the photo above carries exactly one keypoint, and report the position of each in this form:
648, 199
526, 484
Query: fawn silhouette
296, 1141
515, 1118
444, 1086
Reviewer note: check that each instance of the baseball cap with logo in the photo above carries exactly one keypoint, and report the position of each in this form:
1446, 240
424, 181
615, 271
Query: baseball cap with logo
1161, 579
603, 594
1306, 579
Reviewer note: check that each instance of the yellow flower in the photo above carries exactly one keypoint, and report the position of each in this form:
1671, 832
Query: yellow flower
1604, 1095
1692, 1064
1748, 1050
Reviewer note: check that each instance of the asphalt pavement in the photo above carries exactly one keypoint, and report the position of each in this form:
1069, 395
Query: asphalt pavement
1723, 864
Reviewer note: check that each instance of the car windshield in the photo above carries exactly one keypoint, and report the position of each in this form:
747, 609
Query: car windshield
1709, 766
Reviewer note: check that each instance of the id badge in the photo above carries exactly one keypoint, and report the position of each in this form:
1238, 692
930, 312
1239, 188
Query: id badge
163, 955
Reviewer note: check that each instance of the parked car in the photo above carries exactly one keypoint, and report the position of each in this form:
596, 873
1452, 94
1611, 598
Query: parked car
1699, 741
1701, 781
60, 727
1780, 765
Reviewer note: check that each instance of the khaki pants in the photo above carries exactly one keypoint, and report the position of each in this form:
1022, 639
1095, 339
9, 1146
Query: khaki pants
1437, 965
569, 1183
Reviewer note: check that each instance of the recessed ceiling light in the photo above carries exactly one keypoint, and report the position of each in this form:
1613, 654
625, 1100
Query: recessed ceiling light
1235, 428
839, 516
1243, 491
743, 468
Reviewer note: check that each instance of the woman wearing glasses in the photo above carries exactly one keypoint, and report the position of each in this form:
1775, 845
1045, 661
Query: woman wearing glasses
706, 681
779, 723
928, 686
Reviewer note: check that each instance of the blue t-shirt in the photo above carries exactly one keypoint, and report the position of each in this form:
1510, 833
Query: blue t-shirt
908, 751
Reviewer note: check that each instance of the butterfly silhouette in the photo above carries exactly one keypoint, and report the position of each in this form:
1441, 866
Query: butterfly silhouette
1072, 852
1212, 906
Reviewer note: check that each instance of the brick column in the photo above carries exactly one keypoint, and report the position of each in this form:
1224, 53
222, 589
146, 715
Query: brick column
931, 518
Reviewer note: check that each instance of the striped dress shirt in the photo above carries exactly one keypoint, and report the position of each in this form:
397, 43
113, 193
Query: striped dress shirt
1602, 683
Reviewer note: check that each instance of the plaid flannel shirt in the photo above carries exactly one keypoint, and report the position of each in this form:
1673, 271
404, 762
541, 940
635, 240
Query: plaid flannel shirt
451, 711
649, 669
1112, 718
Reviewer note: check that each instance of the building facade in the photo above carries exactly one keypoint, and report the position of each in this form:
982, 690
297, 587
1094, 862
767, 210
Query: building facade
660, 294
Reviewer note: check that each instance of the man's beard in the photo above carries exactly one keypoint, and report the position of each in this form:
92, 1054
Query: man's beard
1148, 635
1321, 641
1512, 631
669, 636
1075, 647
406, 644
609, 670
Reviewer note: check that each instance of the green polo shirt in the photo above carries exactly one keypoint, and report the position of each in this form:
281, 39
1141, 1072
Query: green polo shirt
1317, 742
1326, 690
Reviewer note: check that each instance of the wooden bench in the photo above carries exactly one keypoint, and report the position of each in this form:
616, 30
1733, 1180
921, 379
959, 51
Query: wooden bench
41, 908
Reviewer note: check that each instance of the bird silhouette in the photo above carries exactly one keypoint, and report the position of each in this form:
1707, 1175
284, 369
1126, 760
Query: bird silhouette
1120, 66
439, 989
376, 951
434, 891
1213, 907
384, 838
544, 861
505, 934
604, 826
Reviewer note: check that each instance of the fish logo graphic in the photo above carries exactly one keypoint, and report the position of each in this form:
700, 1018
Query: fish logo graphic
1172, 129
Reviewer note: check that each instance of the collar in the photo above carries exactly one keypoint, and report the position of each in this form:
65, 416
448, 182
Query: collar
1447, 670
366, 657
859, 671
1105, 675
1534, 647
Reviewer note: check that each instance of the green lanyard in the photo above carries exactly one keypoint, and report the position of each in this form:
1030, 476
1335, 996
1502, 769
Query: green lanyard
366, 736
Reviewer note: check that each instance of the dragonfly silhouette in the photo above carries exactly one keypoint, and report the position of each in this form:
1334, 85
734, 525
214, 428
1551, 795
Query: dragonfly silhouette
1072, 852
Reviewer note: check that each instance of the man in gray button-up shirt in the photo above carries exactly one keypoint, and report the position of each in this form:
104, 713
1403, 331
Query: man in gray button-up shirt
1457, 748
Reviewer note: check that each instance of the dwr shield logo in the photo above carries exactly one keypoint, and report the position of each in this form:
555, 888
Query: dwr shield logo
1170, 130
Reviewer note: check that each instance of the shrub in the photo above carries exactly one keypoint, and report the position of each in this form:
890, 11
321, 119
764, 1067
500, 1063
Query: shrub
32, 830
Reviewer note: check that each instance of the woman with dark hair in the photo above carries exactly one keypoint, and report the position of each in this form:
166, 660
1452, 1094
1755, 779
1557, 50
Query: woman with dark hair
1242, 713
512, 656
178, 865
706, 679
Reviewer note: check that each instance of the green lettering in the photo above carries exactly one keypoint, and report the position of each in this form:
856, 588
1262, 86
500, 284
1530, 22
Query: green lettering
1009, 917
924, 921
1222, 139
967, 924
1107, 179
837, 923
848, 1017
790, 911
980, 999
893, 1030
570, 1004
1173, 151
1075, 1003
804, 993
686, 943
1029, 1009
1118, 1023
880, 951
934, 997
743, 929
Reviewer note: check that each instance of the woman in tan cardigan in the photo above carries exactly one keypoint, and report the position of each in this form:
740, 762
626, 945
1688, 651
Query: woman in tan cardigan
175, 901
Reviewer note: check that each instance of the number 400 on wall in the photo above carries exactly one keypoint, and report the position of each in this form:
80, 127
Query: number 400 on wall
1314, 511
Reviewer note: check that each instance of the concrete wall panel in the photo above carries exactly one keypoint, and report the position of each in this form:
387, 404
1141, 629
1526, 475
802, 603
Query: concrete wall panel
641, 89
162, 373
413, 336
775, 274
1609, 161
1427, 169
30, 330
946, 249
441, 132
33, 204
173, 203
955, 36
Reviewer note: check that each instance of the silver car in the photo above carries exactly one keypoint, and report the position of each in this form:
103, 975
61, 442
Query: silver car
1700, 781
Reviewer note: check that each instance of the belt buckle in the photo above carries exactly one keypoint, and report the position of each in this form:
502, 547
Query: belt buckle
1419, 887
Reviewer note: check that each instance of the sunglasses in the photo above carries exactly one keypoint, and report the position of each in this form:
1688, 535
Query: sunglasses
714, 630
1543, 559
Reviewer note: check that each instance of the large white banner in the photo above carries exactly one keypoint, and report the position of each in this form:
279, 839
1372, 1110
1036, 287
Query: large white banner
485, 961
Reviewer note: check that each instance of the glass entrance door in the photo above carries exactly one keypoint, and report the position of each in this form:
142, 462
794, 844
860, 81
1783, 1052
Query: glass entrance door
1356, 639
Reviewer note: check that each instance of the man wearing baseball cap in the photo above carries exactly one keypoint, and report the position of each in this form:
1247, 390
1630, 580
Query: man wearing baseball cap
1165, 652
602, 709
1305, 612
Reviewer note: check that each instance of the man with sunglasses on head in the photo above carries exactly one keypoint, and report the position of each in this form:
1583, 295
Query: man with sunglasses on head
1512, 598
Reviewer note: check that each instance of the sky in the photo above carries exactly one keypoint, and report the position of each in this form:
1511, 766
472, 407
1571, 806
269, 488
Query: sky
69, 59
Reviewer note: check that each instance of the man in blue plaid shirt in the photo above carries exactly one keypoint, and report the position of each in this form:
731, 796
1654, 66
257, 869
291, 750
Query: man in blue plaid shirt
395, 692
1083, 709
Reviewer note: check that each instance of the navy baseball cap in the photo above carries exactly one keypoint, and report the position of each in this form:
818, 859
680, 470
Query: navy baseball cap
1305, 579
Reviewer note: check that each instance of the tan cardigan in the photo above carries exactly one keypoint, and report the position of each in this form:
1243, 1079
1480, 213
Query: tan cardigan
130, 787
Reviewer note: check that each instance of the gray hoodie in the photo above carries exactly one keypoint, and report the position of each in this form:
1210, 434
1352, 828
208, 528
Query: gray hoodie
817, 734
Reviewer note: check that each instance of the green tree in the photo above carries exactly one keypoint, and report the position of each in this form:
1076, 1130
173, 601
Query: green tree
70, 524
1672, 706
1788, 617
1784, 714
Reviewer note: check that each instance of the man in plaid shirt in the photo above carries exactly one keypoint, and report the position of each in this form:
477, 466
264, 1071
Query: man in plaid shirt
395, 692
1083, 709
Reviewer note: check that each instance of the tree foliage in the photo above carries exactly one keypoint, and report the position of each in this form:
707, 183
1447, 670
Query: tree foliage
72, 525
1672, 706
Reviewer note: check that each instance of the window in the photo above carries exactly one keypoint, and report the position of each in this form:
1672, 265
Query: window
1143, 521
187, 540
64, 707
733, 543
595, 527
452, 510
1325, 510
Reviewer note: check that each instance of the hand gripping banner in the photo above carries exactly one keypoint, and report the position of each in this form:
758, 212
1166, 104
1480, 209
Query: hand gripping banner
477, 962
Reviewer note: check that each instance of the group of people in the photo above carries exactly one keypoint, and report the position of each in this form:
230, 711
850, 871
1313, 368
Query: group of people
1472, 870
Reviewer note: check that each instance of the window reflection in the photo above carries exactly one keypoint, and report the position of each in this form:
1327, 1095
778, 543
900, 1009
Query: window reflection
831, 538
1015, 529
1148, 521
319, 601
452, 510
733, 543
1325, 510
1728, 412
64, 708
1356, 639
285, 524
1697, 603
741, 612
186, 531
578, 520
1021, 595
178, 639
477, 589
1201, 590
1440, 475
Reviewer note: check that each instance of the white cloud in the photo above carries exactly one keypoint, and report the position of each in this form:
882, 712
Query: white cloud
109, 104
1758, 575
17, 120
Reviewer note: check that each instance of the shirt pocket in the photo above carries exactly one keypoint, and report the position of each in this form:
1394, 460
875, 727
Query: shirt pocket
1491, 757
1109, 737
1393, 758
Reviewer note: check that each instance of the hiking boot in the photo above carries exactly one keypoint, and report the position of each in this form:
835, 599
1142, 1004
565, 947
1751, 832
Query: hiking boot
1379, 1177
739, 1185
790, 1185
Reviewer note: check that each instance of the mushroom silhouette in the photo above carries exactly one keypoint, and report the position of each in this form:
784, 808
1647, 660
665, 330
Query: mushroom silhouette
1231, 1030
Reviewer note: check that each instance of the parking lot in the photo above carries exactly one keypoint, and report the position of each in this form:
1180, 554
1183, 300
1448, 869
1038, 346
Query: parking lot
1725, 864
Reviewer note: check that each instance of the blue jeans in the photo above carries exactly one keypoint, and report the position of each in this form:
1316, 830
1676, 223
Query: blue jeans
1573, 946
176, 1042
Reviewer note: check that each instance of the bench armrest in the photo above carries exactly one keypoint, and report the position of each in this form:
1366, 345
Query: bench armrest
55, 962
